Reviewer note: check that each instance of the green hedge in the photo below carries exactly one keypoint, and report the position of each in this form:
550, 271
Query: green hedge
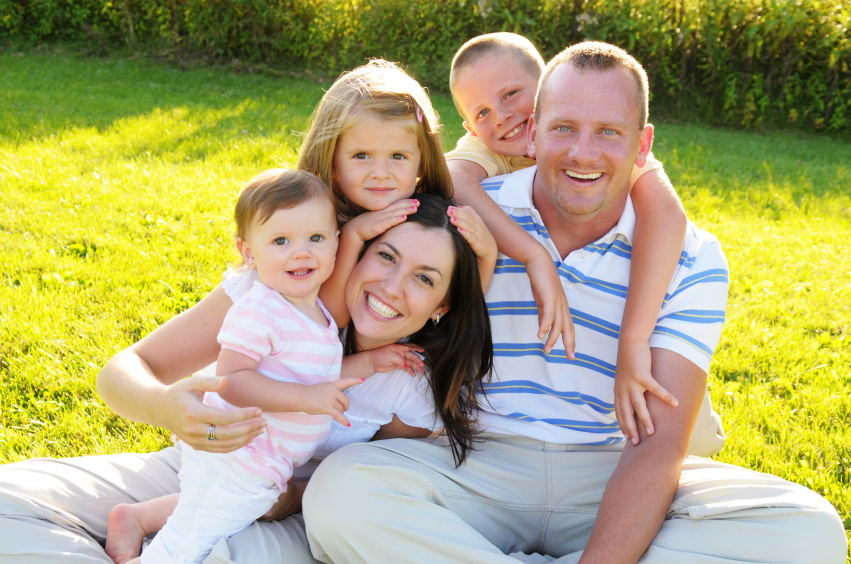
737, 62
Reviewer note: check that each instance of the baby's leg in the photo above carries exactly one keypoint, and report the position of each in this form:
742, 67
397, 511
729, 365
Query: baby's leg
129, 524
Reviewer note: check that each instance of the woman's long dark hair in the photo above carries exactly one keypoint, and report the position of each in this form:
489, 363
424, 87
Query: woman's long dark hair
458, 350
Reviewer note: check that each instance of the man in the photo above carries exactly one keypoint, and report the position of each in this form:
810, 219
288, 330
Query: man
553, 475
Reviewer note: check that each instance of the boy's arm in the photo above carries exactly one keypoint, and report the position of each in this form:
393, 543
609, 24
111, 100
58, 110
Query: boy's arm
657, 246
248, 388
513, 241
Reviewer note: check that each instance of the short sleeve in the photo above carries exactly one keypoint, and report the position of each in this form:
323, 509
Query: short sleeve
393, 393
249, 328
651, 164
237, 283
471, 148
693, 313
417, 408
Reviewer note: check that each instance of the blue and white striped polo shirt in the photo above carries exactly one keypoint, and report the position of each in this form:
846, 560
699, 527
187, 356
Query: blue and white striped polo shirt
550, 398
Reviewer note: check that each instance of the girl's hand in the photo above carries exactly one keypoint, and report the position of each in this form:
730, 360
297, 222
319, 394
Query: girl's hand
632, 379
473, 229
328, 398
397, 357
370, 225
553, 310
190, 418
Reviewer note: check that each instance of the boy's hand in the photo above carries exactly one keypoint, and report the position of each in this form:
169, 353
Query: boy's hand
473, 229
397, 357
553, 310
328, 398
632, 379
370, 225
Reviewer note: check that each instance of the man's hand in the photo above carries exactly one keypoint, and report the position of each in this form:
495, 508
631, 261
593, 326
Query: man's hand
632, 379
553, 311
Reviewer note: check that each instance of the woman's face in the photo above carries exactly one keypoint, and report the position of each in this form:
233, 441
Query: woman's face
399, 284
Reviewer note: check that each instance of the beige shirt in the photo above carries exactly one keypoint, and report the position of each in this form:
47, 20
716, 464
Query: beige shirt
471, 148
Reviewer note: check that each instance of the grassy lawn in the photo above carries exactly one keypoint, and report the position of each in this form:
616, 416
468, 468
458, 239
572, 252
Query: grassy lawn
119, 178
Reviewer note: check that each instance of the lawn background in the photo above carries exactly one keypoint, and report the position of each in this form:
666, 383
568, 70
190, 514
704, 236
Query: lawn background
118, 180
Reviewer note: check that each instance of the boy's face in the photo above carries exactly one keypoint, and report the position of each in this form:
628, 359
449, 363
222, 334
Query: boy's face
496, 95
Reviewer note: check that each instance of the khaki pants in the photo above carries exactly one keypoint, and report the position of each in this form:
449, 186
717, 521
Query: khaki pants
55, 511
405, 502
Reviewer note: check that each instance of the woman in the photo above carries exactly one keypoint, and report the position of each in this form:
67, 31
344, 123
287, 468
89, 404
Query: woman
419, 270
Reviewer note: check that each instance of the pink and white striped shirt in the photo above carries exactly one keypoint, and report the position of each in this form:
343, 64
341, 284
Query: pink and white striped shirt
289, 347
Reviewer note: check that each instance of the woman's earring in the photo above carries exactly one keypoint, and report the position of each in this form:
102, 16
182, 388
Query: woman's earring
436, 318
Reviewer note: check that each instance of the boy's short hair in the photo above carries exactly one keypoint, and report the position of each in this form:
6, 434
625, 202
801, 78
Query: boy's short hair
595, 56
277, 189
490, 43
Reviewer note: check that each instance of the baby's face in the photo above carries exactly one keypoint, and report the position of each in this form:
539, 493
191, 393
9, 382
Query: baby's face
294, 250
497, 95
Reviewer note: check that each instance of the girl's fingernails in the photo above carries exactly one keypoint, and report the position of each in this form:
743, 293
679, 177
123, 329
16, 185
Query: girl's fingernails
406, 365
460, 230
348, 424
363, 379
413, 207
450, 211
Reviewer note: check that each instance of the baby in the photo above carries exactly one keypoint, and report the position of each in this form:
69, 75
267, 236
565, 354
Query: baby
494, 83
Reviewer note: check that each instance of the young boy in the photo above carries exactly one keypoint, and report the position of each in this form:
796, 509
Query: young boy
494, 82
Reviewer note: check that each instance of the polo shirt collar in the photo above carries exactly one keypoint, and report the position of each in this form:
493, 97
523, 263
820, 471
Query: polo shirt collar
516, 192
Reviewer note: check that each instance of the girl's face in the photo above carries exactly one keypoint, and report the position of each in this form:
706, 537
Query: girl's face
376, 163
294, 250
400, 282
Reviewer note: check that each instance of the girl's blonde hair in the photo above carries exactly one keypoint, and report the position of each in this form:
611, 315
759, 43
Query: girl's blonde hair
382, 90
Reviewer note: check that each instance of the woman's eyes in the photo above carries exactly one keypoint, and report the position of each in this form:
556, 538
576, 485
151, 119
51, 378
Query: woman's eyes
425, 279
385, 256
316, 238
281, 241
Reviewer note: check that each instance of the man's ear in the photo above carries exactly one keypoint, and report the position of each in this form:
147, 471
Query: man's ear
245, 251
530, 137
645, 143
469, 129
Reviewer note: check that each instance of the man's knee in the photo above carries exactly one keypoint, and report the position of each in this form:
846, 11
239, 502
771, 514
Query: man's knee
825, 532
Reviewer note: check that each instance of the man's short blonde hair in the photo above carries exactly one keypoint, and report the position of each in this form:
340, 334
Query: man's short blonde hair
495, 43
593, 56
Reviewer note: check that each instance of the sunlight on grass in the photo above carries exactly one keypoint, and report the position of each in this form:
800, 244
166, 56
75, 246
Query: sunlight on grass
119, 180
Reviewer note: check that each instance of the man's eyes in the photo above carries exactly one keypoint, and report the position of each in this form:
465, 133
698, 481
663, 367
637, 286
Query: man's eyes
609, 131
563, 128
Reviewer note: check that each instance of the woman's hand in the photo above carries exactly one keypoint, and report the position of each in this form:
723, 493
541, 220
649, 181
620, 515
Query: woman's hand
370, 225
186, 416
553, 310
632, 379
397, 357
288, 502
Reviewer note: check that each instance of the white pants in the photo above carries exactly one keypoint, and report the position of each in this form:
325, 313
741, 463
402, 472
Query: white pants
218, 498
404, 501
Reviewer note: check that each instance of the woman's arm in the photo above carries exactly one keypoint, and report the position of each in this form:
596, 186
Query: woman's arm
146, 382
658, 243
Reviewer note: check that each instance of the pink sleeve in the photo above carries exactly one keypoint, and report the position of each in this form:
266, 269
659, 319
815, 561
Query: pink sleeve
248, 329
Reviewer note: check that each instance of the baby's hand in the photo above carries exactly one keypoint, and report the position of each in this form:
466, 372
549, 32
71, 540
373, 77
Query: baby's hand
328, 398
397, 357
473, 229
370, 225
553, 311
632, 379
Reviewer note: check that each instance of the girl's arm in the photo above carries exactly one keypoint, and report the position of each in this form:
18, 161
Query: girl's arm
247, 387
658, 243
354, 234
513, 241
364, 364
147, 381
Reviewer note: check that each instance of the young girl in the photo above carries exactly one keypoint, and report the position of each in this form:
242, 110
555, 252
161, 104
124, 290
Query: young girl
281, 352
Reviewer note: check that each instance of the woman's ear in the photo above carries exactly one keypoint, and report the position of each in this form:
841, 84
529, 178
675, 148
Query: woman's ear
245, 251
440, 312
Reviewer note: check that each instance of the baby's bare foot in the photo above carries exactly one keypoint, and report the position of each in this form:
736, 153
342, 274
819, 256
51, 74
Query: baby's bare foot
124, 534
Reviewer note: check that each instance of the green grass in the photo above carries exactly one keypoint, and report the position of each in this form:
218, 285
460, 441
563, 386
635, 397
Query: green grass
119, 178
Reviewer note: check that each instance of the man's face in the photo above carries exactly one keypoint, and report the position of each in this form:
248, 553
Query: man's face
497, 95
587, 140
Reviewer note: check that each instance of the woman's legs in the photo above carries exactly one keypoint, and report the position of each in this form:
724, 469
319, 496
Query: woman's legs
53, 507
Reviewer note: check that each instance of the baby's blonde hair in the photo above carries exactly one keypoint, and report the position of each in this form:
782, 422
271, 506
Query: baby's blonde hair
382, 90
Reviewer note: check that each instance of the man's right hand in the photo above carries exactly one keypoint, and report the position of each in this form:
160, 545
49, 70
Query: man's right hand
186, 416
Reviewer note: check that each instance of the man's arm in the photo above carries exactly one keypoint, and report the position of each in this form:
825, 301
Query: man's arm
640, 491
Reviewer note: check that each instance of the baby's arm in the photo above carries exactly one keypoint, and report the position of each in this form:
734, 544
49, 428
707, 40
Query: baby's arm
383, 359
657, 246
513, 241
247, 387
354, 234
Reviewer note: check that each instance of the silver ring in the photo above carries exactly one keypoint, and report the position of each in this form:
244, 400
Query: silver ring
211, 433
